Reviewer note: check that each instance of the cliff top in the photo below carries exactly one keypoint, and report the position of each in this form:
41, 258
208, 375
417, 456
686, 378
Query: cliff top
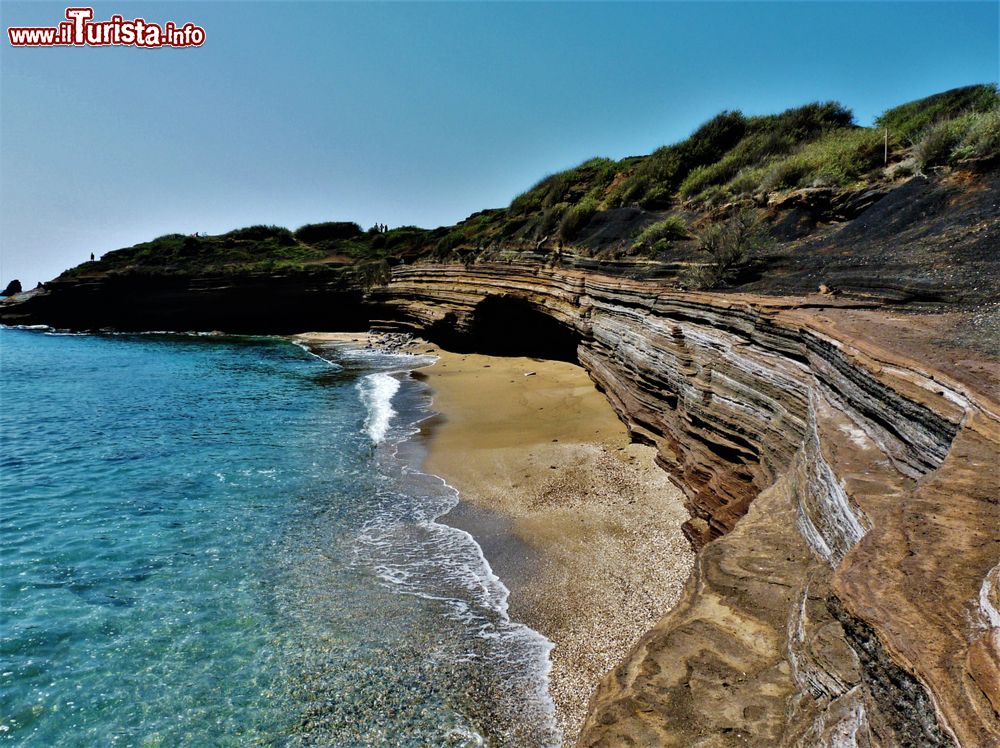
902, 211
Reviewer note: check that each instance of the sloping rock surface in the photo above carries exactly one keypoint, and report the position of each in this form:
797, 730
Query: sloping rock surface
845, 498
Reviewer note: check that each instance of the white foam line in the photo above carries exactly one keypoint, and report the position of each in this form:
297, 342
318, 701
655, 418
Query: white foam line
27, 327
377, 391
313, 353
497, 594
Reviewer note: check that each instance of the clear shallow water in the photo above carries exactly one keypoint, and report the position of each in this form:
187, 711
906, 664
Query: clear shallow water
226, 541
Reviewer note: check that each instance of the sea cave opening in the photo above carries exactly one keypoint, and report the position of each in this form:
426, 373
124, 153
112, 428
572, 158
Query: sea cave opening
510, 326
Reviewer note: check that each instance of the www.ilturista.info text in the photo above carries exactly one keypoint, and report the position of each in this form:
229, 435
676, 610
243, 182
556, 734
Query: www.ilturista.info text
80, 30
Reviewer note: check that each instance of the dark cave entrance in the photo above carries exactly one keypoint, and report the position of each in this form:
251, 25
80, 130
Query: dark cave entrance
509, 326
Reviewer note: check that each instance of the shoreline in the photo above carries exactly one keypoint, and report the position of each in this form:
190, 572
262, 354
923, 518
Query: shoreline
579, 523
576, 520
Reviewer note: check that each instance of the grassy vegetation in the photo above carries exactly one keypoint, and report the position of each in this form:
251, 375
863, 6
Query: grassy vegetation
576, 217
972, 135
658, 236
765, 139
251, 246
908, 122
655, 179
767, 161
730, 157
263, 249
335, 231
570, 186
723, 149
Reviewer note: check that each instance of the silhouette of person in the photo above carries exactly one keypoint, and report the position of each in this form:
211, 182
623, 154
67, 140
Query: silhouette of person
91, 256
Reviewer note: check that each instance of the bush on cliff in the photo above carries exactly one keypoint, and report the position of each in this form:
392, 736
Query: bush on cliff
278, 234
657, 177
591, 178
657, 237
372, 274
908, 122
331, 231
574, 219
446, 246
713, 154
973, 135
742, 170
839, 158
734, 247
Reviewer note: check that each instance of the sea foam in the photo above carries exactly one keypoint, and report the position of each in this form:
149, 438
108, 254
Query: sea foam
377, 391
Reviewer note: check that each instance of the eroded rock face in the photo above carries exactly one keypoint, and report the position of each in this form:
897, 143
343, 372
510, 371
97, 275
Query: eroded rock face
845, 500
242, 303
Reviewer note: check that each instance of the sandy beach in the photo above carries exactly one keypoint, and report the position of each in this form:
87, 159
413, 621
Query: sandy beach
579, 523
576, 520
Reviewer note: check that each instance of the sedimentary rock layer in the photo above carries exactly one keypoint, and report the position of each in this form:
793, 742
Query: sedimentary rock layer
236, 302
845, 500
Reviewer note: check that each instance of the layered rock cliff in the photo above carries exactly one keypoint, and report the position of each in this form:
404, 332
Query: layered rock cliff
845, 498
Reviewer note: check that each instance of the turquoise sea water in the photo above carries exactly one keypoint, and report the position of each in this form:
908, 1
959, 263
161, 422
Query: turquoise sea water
214, 541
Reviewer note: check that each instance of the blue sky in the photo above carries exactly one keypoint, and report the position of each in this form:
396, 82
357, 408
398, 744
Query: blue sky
407, 113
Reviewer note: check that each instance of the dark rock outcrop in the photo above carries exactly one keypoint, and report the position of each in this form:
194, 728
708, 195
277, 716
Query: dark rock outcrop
239, 303
14, 287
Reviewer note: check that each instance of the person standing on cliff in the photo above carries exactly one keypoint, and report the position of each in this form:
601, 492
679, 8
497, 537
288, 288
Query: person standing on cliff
91, 256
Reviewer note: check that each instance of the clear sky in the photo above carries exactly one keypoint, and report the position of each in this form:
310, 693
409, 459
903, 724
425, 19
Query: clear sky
407, 113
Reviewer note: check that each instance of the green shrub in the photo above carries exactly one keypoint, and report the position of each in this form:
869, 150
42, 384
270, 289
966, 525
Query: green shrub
712, 140
786, 173
720, 172
656, 196
908, 122
839, 158
714, 196
548, 222
937, 143
576, 218
749, 180
446, 246
702, 177
972, 135
372, 274
766, 138
734, 247
312, 233
589, 178
406, 238
527, 202
657, 237
657, 177
260, 233
805, 122
982, 137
